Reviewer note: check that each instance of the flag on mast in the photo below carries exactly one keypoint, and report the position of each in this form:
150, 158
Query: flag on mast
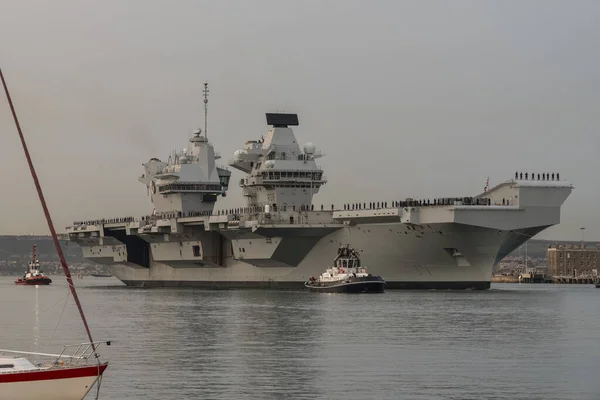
487, 184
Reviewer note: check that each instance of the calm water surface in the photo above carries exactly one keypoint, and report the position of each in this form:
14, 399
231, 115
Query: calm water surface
511, 342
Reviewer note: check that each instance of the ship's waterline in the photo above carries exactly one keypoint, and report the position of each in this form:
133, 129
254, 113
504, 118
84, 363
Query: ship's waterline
279, 238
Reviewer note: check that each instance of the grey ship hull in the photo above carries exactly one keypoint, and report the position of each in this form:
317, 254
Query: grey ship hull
415, 247
417, 260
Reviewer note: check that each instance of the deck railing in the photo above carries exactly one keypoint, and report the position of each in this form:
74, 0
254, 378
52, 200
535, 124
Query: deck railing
82, 352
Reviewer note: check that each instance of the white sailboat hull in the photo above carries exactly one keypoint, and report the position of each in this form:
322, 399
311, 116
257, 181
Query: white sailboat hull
59, 389
54, 384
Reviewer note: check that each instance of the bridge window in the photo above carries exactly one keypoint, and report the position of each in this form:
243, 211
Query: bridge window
188, 187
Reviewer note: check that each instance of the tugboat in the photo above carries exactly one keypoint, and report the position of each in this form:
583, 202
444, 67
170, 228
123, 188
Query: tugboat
346, 276
34, 276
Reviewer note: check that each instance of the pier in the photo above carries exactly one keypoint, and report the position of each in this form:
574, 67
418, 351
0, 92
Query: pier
534, 278
575, 280
543, 278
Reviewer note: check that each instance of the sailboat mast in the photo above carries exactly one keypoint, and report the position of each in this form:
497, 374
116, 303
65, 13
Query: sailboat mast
61, 256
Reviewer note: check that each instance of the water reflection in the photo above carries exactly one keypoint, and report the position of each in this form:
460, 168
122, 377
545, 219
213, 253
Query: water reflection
36, 323
233, 344
276, 339
521, 342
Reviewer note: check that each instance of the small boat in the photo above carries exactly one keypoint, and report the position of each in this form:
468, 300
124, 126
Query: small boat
63, 376
34, 276
347, 275
101, 275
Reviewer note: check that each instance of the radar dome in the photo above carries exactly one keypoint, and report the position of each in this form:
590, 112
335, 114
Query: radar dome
237, 155
269, 163
310, 148
183, 159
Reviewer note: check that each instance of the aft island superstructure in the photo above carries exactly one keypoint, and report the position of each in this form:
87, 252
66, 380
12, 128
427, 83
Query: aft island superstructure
279, 237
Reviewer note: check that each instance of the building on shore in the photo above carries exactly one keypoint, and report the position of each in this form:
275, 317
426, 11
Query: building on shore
573, 260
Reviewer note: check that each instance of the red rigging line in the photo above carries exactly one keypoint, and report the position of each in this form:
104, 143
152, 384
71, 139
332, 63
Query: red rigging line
61, 256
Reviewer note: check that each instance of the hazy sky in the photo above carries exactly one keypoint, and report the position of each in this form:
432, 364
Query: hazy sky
406, 99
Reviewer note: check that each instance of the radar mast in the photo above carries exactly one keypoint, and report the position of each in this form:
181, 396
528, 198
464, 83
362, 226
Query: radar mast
205, 91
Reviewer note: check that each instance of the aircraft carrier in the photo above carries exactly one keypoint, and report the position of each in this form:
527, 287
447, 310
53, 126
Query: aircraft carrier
279, 237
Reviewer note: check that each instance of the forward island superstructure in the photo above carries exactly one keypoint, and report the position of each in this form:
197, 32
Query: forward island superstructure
279, 237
